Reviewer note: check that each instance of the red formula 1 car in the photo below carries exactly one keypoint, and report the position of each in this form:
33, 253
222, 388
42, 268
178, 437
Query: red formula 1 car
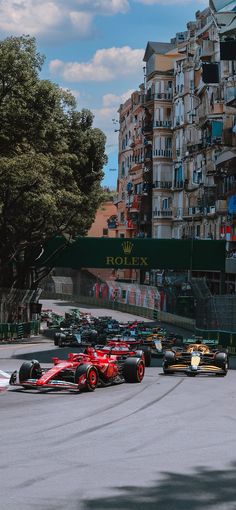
128, 347
82, 371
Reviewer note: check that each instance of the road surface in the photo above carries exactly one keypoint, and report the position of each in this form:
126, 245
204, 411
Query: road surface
168, 443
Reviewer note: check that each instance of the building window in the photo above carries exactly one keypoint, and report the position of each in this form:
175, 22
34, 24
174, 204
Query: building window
197, 177
165, 203
105, 231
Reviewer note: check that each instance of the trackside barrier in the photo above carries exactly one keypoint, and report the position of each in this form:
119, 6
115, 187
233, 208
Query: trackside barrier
175, 320
14, 331
148, 313
227, 339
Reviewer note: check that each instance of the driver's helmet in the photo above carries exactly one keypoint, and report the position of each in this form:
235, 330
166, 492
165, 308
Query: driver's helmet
90, 351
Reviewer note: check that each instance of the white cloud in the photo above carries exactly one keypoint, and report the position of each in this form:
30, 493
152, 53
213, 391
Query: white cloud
110, 100
106, 64
82, 21
29, 16
105, 6
172, 2
39, 16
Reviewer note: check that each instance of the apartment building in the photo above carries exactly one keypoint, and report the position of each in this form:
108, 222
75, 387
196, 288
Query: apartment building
159, 59
177, 140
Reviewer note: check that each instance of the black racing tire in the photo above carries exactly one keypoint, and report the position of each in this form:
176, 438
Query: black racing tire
133, 370
222, 361
168, 360
56, 338
29, 370
61, 342
91, 374
147, 355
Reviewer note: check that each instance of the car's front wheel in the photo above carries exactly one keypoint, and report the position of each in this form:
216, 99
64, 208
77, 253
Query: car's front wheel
222, 361
86, 376
168, 360
29, 370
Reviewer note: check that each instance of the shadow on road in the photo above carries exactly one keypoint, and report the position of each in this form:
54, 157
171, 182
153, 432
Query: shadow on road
202, 490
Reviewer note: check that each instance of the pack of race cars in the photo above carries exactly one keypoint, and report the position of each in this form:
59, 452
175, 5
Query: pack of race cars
111, 352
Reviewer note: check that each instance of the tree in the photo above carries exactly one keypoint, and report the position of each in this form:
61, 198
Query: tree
51, 161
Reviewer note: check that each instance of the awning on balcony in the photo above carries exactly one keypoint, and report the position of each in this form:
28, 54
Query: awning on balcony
217, 5
226, 157
229, 28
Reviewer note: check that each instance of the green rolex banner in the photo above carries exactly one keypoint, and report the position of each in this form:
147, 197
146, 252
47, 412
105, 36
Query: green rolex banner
136, 253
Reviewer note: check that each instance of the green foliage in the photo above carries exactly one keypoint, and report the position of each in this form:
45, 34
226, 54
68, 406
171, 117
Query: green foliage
51, 162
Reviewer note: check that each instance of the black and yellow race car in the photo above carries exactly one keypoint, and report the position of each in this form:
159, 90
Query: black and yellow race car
196, 357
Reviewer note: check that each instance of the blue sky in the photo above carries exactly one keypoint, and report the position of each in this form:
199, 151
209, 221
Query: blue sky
95, 48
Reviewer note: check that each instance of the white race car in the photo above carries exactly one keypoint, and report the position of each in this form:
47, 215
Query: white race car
4, 381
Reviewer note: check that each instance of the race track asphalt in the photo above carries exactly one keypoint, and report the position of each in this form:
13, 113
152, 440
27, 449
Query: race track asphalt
165, 444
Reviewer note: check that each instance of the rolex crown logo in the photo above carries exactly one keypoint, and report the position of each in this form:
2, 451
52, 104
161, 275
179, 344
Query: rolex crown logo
127, 247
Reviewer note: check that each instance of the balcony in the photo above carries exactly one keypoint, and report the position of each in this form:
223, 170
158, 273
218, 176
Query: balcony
160, 96
167, 124
195, 212
162, 213
178, 185
207, 50
162, 184
194, 147
162, 153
